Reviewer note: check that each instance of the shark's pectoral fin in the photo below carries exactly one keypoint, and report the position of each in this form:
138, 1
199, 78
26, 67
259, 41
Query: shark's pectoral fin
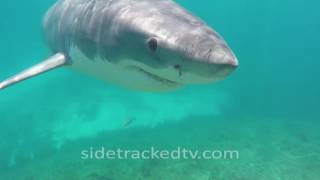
53, 62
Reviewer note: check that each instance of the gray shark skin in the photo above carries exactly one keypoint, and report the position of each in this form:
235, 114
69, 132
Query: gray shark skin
149, 45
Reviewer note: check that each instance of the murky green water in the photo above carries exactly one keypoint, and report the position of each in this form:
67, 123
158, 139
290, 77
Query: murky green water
268, 109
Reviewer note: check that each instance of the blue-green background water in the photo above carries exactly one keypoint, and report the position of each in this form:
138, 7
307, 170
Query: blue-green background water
268, 109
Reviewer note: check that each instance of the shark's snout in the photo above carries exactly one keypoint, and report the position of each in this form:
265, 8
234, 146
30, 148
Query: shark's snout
209, 60
209, 47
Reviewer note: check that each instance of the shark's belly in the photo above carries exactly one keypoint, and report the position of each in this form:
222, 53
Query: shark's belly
122, 73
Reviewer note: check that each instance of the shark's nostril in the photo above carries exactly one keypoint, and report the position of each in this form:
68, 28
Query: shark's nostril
153, 44
177, 66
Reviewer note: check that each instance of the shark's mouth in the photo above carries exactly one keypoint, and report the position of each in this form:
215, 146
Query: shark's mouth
156, 77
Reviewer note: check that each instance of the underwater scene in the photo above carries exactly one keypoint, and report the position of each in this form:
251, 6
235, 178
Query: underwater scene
261, 122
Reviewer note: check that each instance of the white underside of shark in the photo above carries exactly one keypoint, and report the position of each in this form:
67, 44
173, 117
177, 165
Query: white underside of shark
127, 72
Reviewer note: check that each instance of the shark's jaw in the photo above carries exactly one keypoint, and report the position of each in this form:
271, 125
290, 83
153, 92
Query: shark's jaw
157, 78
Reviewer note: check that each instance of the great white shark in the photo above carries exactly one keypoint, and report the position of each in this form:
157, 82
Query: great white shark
150, 45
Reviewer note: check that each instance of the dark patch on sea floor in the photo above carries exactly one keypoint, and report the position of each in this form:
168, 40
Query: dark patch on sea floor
269, 149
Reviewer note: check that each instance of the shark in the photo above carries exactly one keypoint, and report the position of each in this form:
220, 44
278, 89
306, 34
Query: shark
147, 45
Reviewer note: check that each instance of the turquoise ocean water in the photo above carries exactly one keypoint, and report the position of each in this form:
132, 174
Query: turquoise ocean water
268, 110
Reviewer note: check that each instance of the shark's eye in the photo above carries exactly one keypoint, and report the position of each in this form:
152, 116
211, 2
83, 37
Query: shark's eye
153, 44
